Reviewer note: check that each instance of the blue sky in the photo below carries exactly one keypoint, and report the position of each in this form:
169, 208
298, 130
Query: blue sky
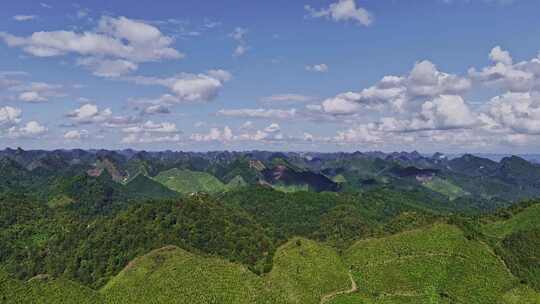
335, 75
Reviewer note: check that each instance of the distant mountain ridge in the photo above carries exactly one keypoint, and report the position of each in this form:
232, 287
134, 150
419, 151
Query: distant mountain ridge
460, 179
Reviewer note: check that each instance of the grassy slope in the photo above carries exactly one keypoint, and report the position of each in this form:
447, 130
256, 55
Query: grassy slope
445, 187
524, 220
186, 181
44, 291
143, 187
172, 275
305, 271
435, 265
521, 295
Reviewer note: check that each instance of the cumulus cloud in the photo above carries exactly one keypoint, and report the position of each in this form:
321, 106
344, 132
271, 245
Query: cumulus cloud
364, 133
321, 68
90, 113
151, 127
215, 134
423, 82
37, 91
76, 134
108, 68
9, 116
519, 112
346, 103
343, 10
443, 113
31, 129
117, 39
184, 87
247, 133
146, 138
259, 113
519, 77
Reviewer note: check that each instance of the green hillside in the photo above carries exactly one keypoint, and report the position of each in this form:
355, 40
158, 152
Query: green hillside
143, 187
44, 290
517, 241
237, 182
524, 220
187, 181
172, 275
305, 271
434, 265
445, 187
521, 295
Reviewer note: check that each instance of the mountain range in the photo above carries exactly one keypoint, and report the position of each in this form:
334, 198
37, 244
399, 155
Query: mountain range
101, 226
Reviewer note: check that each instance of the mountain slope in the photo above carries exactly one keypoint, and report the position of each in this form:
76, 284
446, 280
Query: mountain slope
143, 187
187, 181
304, 271
44, 290
431, 265
172, 275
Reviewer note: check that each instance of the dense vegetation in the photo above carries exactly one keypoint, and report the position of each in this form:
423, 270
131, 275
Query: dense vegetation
138, 227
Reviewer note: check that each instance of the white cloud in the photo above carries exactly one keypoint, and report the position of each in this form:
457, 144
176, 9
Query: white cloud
239, 35
321, 68
346, 103
31, 129
226, 135
443, 113
287, 98
108, 68
519, 112
343, 10
215, 134
9, 116
114, 39
497, 54
37, 91
147, 138
151, 127
31, 97
187, 87
358, 134
90, 113
24, 17
272, 128
400, 92
519, 77
259, 113
76, 134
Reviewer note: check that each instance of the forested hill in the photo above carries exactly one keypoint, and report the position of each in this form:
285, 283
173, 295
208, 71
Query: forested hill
261, 227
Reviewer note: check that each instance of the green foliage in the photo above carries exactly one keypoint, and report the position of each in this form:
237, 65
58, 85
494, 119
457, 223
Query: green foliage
304, 271
521, 295
45, 290
187, 181
172, 275
521, 252
36, 239
445, 187
143, 187
436, 264
517, 220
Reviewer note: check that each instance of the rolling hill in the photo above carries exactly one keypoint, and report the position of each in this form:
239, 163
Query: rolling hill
172, 275
187, 181
433, 265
